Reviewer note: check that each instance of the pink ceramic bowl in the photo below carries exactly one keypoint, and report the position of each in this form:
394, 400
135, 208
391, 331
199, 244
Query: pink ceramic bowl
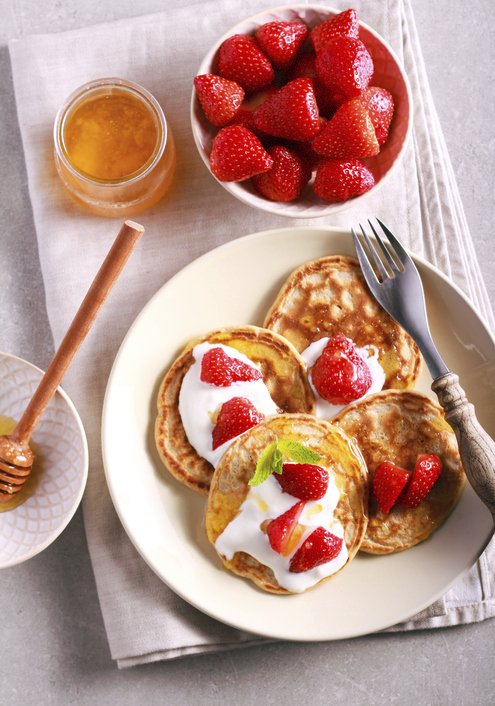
388, 74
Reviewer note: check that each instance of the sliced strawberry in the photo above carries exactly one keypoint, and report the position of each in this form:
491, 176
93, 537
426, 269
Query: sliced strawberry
286, 179
340, 375
349, 134
339, 181
345, 66
240, 59
236, 416
219, 369
425, 474
380, 105
291, 112
388, 483
303, 480
219, 97
344, 24
237, 154
320, 547
280, 529
281, 41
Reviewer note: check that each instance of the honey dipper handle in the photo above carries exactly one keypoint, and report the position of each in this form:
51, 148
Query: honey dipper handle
108, 273
476, 447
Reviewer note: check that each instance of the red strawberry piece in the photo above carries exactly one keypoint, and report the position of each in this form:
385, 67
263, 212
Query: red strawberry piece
279, 530
303, 480
425, 474
286, 179
219, 97
240, 59
305, 68
340, 375
320, 547
349, 134
339, 181
235, 417
237, 154
345, 66
344, 24
388, 483
243, 117
219, 369
291, 112
281, 41
380, 105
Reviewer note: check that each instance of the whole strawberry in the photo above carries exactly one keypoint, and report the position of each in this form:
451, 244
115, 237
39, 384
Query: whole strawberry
340, 375
291, 112
380, 106
389, 481
236, 416
219, 98
281, 528
237, 154
344, 24
425, 474
240, 59
349, 134
281, 41
305, 67
319, 548
345, 66
303, 480
219, 369
287, 177
339, 181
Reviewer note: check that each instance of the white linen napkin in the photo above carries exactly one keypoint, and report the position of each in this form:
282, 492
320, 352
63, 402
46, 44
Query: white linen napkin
144, 620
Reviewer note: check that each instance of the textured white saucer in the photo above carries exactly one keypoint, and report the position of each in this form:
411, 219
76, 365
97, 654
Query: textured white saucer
59, 442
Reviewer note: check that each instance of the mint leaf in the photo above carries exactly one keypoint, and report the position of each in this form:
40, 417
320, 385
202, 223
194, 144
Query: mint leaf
266, 464
297, 452
278, 461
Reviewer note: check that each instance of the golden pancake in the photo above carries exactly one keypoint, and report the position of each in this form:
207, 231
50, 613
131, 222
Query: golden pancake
283, 374
329, 296
396, 426
229, 486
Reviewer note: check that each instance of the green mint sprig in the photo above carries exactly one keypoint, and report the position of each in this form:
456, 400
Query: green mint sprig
271, 458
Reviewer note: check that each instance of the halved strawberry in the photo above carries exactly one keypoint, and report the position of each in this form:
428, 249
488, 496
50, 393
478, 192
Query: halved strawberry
380, 105
240, 59
219, 369
291, 112
320, 547
388, 483
281, 41
345, 66
219, 97
424, 476
236, 416
349, 134
303, 480
280, 529
337, 181
344, 24
286, 179
340, 375
237, 154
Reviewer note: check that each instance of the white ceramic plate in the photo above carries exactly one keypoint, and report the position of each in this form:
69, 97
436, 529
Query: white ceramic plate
232, 285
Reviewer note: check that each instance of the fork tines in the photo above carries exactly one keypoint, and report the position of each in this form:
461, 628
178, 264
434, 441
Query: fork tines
380, 263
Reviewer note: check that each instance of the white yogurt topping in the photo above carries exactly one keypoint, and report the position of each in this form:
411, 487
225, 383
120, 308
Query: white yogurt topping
199, 401
267, 501
325, 409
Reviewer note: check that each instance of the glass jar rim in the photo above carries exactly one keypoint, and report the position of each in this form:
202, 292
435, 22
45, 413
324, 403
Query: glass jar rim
85, 91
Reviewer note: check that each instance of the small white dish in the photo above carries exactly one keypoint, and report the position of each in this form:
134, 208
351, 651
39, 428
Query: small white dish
60, 471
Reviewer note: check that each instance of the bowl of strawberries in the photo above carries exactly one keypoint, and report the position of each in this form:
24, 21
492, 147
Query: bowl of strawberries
301, 110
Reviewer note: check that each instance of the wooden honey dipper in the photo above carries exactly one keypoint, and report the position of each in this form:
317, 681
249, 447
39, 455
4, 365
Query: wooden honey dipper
16, 458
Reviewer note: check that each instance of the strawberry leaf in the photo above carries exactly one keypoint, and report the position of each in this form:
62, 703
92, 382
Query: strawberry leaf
297, 452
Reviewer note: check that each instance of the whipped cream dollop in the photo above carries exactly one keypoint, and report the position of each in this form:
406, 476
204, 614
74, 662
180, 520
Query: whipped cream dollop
267, 501
200, 401
325, 409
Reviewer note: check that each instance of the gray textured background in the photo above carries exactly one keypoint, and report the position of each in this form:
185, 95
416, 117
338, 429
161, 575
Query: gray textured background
53, 644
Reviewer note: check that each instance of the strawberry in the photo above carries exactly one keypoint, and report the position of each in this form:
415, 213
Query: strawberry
425, 474
380, 105
339, 181
219, 97
281, 41
344, 24
280, 529
286, 179
291, 112
237, 154
219, 369
240, 59
389, 481
243, 117
320, 547
303, 480
345, 66
236, 416
305, 68
340, 375
349, 134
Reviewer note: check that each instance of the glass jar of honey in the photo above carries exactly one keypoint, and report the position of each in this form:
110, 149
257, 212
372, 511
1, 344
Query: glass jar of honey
114, 150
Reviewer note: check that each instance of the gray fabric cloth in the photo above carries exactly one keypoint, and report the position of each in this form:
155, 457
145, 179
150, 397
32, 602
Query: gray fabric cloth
145, 621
